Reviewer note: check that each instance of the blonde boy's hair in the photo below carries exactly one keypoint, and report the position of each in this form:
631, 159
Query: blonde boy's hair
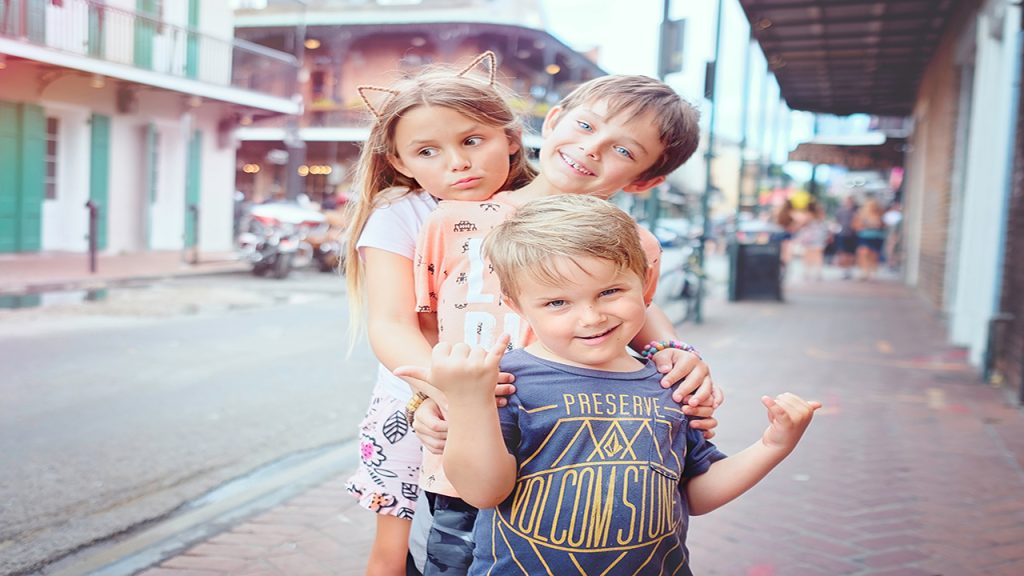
678, 121
567, 225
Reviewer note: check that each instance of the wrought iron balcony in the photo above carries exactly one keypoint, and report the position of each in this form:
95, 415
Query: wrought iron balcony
92, 29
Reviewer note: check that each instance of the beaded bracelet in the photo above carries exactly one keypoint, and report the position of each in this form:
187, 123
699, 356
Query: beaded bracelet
658, 345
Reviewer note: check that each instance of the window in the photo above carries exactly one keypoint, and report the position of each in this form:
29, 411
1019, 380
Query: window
50, 180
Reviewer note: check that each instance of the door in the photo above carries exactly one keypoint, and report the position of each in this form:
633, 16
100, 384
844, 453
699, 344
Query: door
99, 174
192, 189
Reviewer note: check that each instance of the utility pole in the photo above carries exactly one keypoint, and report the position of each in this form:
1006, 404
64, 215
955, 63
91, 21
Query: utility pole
296, 147
653, 209
744, 119
705, 201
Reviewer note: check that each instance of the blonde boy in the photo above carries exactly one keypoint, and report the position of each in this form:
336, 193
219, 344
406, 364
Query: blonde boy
591, 467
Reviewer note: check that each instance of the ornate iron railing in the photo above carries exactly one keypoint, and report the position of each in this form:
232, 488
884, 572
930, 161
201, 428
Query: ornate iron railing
92, 29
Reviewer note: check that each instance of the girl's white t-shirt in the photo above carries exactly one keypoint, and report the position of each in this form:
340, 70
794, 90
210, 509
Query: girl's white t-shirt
395, 228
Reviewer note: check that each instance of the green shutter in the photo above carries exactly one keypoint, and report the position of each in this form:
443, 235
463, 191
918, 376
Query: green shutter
145, 31
192, 187
96, 37
33, 176
22, 165
7, 18
36, 21
192, 44
9, 176
99, 174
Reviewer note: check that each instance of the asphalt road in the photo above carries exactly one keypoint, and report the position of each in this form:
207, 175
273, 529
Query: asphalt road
116, 412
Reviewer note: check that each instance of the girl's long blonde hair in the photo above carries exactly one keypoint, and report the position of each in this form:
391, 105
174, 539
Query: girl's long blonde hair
377, 183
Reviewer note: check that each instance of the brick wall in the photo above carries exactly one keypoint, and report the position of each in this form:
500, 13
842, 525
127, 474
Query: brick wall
932, 148
1010, 358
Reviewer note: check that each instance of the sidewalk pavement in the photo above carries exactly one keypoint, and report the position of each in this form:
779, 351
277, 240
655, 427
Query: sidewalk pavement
913, 467
57, 271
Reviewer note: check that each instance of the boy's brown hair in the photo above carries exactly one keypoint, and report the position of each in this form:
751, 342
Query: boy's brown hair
678, 121
566, 225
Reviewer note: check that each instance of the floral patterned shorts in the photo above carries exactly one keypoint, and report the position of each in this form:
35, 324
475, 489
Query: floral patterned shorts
386, 480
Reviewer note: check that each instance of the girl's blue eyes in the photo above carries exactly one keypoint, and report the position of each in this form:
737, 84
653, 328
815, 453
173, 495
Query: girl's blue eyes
582, 124
555, 304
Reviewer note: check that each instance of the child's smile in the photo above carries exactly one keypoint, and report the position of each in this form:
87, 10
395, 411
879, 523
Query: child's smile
586, 318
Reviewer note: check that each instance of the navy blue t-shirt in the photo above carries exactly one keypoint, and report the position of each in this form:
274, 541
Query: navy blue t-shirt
602, 458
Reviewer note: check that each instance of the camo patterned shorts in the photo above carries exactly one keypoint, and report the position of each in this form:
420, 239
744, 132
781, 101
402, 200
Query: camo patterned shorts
389, 459
450, 542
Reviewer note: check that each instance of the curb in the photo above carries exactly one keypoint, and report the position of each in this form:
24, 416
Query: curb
216, 511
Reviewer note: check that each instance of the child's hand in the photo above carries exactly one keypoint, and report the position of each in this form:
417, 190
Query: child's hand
504, 388
430, 426
461, 372
696, 387
788, 417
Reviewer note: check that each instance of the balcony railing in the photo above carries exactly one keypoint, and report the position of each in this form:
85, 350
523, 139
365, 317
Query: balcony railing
92, 29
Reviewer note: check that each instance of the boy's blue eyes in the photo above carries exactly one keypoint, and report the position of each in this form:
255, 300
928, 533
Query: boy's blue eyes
561, 303
621, 150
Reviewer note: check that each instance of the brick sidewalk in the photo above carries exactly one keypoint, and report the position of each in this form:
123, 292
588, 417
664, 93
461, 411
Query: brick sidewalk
912, 468
20, 273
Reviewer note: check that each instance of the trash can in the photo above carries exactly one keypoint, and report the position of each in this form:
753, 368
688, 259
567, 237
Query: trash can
755, 271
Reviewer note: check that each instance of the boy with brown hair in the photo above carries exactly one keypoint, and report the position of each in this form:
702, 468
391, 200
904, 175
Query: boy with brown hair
591, 467
612, 133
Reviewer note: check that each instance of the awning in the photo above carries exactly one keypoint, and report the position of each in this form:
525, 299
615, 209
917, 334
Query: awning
855, 156
849, 56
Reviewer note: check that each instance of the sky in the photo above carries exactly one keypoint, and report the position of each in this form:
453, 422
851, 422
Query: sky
626, 33
583, 24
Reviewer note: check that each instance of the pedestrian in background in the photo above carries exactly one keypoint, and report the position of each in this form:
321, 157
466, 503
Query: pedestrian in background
786, 219
812, 236
846, 237
893, 219
870, 236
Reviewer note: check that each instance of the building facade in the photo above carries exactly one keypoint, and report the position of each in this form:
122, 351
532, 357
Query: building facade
129, 106
953, 67
348, 43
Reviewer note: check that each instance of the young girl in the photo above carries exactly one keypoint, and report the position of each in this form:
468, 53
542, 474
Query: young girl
442, 135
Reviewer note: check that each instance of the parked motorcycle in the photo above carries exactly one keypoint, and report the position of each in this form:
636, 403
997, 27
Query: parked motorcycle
329, 246
274, 237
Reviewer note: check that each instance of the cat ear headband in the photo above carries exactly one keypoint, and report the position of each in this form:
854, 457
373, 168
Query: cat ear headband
366, 91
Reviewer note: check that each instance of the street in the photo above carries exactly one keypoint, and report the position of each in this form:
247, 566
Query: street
118, 411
